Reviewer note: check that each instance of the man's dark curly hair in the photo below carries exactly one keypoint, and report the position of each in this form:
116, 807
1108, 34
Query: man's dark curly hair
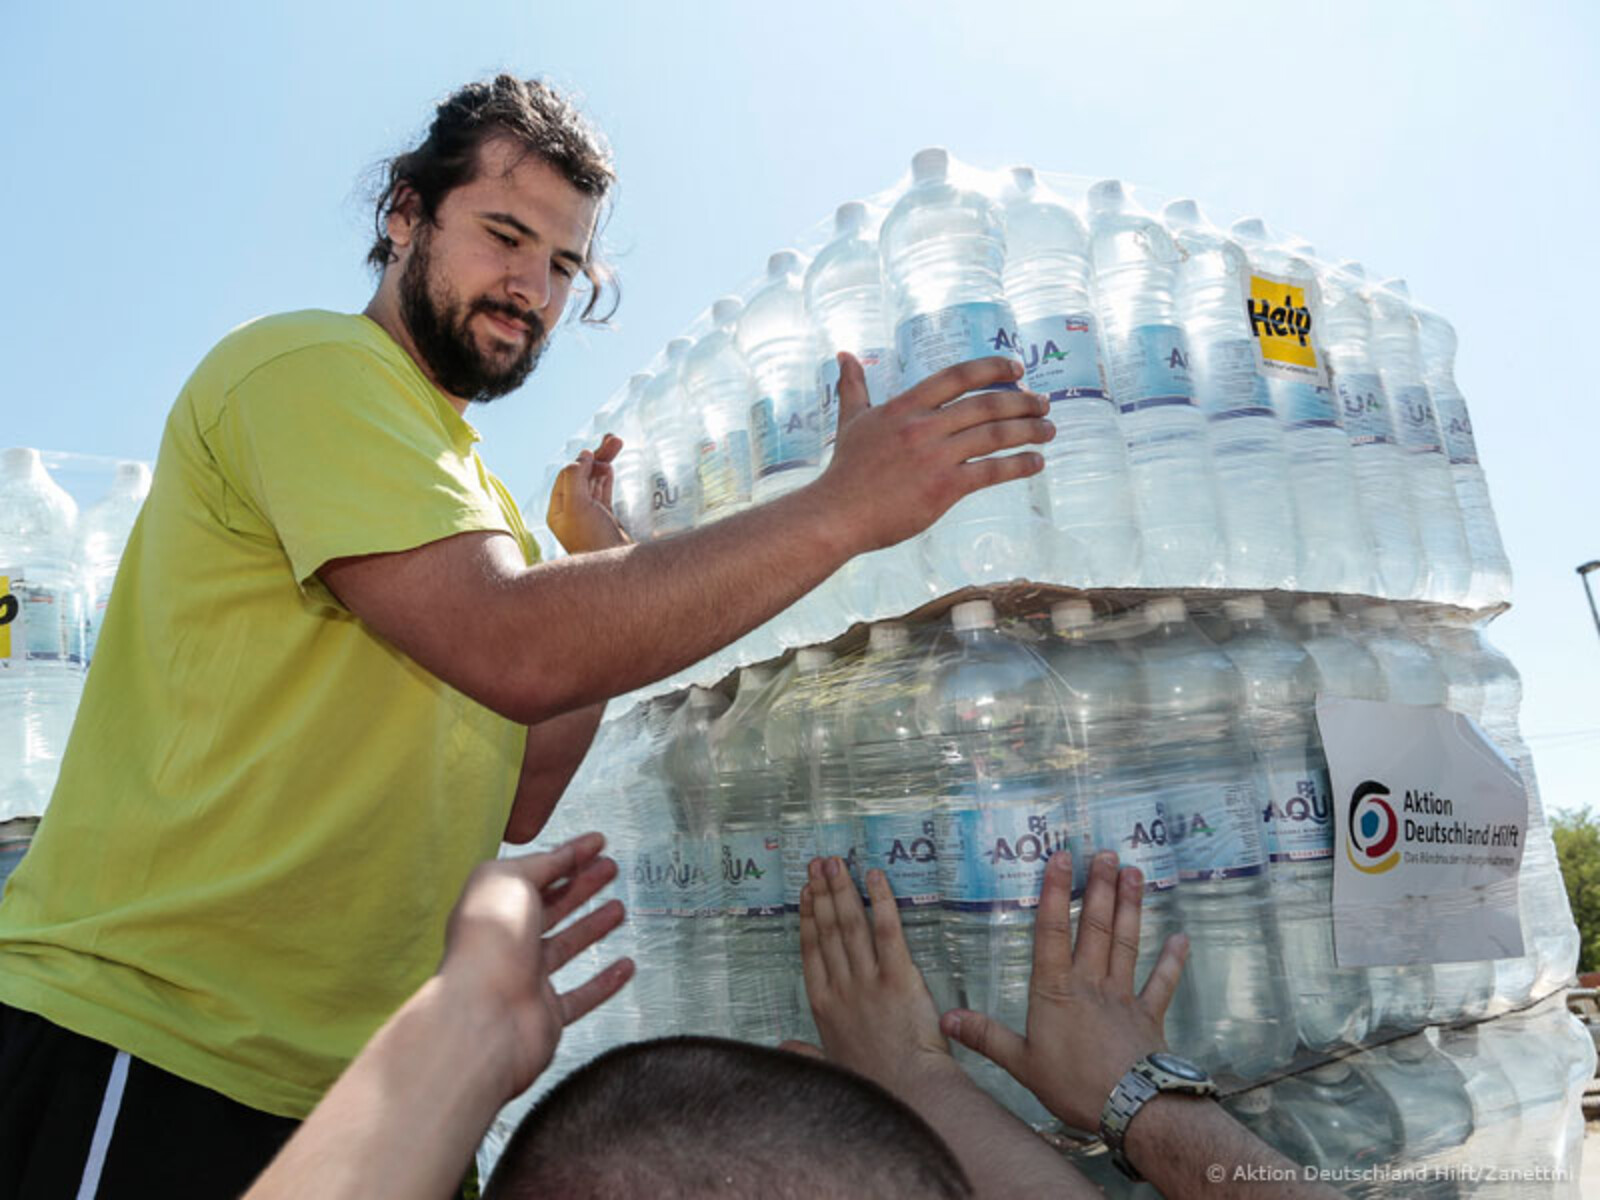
528, 112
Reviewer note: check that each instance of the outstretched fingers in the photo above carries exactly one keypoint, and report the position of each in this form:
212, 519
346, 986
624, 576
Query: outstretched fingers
938, 389
853, 397
560, 948
570, 894
1164, 976
813, 966
1052, 923
594, 991
825, 909
854, 933
986, 1036
888, 937
1125, 929
1092, 955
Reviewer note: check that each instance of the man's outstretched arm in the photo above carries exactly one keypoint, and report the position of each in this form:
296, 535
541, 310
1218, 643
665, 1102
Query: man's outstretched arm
404, 1118
531, 643
876, 1016
1087, 1026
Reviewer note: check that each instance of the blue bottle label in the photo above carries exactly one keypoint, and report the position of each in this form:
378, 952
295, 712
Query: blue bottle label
1303, 405
693, 878
1227, 385
723, 468
1215, 830
752, 874
668, 507
1456, 425
929, 342
1136, 828
1415, 423
993, 858
806, 840
1062, 357
877, 364
42, 624
662, 878
1150, 369
786, 430
905, 847
1296, 820
1367, 420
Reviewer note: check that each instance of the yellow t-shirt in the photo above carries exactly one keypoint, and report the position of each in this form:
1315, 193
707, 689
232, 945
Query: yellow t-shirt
265, 811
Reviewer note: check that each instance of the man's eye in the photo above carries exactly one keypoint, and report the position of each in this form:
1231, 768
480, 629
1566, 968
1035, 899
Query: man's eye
563, 270
503, 238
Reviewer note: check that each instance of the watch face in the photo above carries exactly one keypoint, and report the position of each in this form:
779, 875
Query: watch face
1181, 1067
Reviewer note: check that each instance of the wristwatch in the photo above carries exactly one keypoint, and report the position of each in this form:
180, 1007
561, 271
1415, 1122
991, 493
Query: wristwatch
1153, 1074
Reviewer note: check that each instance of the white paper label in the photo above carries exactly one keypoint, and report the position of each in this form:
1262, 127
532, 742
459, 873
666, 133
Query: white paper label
1429, 825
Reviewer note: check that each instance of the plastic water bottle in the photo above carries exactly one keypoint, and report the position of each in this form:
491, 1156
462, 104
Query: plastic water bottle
1233, 1010
1094, 534
698, 898
993, 714
848, 307
671, 439
720, 391
41, 643
1169, 457
1429, 1097
1491, 571
943, 251
1285, 310
631, 490
1099, 682
1247, 449
1332, 1005
894, 774
1433, 492
103, 532
1344, 1115
1380, 464
1261, 1112
774, 335
750, 789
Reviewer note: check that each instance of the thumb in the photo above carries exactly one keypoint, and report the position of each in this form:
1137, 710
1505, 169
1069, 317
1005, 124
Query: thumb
986, 1036
809, 1049
853, 399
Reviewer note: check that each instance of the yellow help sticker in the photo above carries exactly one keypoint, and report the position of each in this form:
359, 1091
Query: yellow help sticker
1280, 322
11, 644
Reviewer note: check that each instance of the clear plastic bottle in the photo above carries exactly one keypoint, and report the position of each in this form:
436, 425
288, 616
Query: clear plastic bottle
750, 790
720, 391
1086, 484
943, 250
631, 491
103, 532
1147, 359
1433, 494
848, 307
994, 715
42, 676
1259, 1110
1491, 570
1286, 313
894, 774
1344, 1116
663, 414
1380, 464
1099, 682
775, 336
1429, 1097
1233, 1010
1247, 447
1332, 1005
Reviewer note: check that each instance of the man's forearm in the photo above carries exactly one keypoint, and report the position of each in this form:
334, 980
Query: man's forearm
1191, 1148
553, 751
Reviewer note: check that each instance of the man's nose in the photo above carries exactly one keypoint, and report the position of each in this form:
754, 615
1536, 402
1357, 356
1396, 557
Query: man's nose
532, 282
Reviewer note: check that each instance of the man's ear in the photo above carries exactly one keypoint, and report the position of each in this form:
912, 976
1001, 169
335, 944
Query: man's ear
405, 214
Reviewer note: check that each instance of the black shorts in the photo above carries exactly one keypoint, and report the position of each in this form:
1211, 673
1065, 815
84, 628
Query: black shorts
79, 1119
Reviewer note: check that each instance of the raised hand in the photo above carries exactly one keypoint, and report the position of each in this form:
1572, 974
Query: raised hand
1086, 1026
580, 513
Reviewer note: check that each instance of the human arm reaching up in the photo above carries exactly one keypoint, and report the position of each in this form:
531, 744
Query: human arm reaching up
403, 1119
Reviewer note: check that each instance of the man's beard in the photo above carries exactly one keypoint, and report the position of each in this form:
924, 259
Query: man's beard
441, 332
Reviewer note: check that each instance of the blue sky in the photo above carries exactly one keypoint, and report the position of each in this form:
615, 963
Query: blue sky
175, 169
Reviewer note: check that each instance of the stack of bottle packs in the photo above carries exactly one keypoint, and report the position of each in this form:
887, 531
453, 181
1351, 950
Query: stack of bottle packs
1263, 493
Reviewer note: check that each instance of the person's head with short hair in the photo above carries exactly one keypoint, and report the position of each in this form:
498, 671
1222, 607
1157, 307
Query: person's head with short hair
698, 1117
482, 230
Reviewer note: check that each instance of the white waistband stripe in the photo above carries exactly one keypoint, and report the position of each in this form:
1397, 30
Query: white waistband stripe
101, 1142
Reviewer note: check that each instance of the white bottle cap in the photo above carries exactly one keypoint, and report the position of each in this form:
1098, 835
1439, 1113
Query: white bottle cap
973, 614
19, 460
1398, 286
1166, 610
1245, 608
1071, 614
700, 697
849, 216
1182, 214
1380, 616
1254, 1102
753, 679
1313, 612
1024, 178
1107, 196
726, 311
678, 347
888, 635
812, 659
930, 165
1251, 229
781, 263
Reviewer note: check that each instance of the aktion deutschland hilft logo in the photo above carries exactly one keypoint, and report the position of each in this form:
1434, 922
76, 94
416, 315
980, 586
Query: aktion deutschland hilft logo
1373, 830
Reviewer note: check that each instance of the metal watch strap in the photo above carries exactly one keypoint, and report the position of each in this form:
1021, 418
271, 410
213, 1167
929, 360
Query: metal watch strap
1133, 1091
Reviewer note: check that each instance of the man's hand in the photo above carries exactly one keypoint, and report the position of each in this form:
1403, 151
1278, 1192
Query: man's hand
1086, 1026
496, 951
580, 502
872, 1007
897, 468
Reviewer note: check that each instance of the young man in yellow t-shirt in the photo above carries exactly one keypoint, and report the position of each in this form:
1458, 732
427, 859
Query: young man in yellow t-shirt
333, 674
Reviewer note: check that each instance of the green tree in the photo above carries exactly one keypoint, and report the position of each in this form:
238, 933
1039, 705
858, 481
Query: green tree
1577, 838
